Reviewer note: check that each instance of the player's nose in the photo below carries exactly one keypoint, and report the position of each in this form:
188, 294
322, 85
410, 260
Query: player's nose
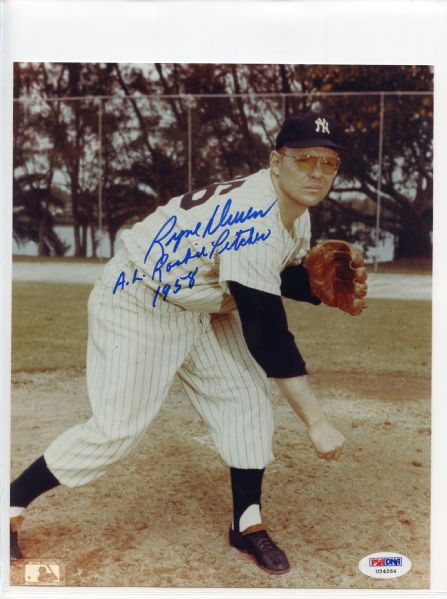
316, 172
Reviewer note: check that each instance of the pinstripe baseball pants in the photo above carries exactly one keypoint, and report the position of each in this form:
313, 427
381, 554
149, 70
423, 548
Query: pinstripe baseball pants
134, 351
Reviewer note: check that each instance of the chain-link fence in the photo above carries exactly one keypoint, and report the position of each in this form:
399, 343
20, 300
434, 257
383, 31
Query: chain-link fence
97, 164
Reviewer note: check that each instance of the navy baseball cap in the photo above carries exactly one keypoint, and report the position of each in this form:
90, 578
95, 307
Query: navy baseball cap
311, 129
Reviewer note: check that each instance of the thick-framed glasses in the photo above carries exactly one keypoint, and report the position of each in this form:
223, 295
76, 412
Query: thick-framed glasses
306, 163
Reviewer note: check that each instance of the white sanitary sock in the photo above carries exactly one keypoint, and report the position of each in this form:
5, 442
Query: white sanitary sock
250, 517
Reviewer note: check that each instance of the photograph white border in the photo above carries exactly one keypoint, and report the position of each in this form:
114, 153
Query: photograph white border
313, 32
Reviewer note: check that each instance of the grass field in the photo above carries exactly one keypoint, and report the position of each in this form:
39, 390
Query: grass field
49, 331
55, 259
49, 326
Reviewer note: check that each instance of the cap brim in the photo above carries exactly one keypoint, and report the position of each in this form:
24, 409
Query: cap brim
315, 143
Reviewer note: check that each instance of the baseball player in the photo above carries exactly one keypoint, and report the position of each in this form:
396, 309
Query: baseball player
196, 292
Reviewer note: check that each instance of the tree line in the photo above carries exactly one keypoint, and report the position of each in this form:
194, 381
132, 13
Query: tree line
133, 147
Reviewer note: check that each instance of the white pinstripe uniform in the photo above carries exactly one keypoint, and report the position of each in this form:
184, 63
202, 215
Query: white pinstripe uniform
187, 250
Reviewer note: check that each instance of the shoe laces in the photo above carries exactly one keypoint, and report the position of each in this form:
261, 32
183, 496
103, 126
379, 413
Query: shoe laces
263, 541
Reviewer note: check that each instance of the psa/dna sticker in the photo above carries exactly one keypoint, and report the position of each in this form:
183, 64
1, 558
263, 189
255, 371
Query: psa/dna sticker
384, 565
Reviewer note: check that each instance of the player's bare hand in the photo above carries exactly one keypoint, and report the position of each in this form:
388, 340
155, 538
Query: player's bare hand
326, 439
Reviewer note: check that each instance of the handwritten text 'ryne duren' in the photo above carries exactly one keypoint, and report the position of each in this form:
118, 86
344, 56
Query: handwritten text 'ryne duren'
167, 243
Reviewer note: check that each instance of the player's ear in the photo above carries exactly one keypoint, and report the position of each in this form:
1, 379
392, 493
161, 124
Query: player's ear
274, 162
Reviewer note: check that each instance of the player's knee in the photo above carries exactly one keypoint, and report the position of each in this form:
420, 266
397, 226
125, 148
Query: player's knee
102, 433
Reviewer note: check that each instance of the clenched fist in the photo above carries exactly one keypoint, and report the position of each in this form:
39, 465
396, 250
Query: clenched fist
326, 439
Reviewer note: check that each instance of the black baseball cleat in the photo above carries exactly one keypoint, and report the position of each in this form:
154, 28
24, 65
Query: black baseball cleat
259, 545
14, 550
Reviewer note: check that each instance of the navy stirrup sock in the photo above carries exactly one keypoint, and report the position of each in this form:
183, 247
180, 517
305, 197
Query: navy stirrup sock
33, 481
246, 486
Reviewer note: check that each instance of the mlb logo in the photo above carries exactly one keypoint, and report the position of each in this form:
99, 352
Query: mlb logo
45, 573
374, 562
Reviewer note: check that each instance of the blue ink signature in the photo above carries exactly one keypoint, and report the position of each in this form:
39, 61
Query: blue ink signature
163, 290
166, 289
163, 238
121, 280
166, 237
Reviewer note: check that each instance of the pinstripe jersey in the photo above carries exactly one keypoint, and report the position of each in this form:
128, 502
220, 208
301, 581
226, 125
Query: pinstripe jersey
188, 249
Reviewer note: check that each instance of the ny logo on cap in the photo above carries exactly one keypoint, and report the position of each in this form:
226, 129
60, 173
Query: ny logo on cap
321, 125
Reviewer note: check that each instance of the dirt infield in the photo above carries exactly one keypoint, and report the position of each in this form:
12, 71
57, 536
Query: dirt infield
160, 518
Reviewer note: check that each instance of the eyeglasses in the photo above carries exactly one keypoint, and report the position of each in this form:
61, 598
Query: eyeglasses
306, 163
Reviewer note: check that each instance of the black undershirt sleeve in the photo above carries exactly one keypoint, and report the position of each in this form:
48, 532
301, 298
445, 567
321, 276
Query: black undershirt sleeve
264, 324
295, 284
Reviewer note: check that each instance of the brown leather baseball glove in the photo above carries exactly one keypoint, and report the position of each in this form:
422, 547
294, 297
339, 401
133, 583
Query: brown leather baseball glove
337, 275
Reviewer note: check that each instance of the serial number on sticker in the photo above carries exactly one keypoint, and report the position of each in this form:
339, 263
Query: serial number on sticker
386, 571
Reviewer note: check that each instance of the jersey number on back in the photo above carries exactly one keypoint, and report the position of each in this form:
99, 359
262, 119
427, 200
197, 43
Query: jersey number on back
193, 198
